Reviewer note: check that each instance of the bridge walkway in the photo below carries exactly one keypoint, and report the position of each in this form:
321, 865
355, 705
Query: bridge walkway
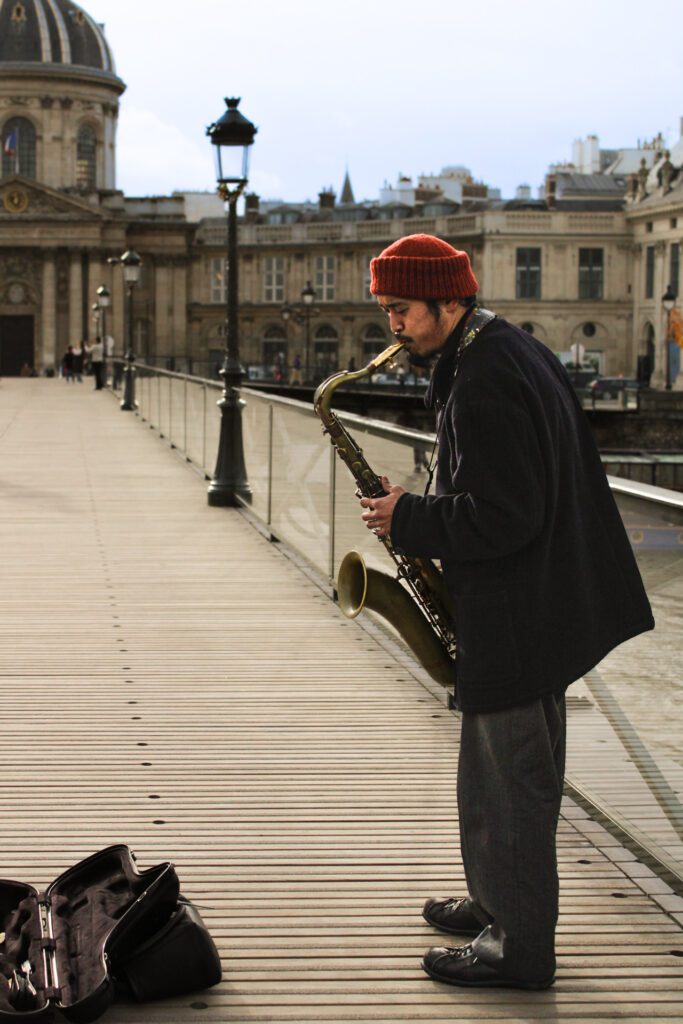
173, 681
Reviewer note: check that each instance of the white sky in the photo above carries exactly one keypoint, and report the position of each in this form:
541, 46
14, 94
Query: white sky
387, 87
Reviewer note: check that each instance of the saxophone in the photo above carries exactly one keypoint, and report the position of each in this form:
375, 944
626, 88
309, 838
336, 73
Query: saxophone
415, 602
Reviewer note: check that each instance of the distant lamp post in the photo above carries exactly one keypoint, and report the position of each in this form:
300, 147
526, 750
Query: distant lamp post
668, 302
132, 264
231, 137
303, 315
104, 302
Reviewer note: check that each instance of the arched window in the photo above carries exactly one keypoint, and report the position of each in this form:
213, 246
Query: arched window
19, 148
374, 341
274, 347
86, 158
326, 351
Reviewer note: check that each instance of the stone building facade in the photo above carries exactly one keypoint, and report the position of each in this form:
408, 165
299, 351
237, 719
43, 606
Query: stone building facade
569, 266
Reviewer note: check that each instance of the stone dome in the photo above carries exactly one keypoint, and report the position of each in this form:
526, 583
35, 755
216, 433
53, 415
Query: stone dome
57, 34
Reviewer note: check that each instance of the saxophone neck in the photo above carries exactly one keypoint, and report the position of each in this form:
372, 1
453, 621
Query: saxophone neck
323, 393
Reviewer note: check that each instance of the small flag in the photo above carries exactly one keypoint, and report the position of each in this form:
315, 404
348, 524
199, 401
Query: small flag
10, 146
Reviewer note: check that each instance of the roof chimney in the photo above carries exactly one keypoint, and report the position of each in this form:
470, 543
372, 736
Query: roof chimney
251, 206
327, 198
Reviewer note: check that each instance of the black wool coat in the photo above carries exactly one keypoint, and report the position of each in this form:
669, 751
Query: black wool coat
531, 544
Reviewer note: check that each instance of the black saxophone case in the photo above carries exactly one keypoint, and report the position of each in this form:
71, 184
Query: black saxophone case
101, 927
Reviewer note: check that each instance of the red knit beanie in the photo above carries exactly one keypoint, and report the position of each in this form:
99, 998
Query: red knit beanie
423, 267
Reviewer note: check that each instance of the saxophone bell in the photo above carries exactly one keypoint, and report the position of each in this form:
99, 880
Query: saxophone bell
360, 587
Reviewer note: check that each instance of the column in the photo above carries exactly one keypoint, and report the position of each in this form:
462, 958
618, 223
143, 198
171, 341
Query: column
162, 308
49, 313
179, 325
75, 298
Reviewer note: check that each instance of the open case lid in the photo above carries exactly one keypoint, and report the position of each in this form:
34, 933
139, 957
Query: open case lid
59, 945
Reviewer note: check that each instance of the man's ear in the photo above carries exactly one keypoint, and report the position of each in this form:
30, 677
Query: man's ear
451, 305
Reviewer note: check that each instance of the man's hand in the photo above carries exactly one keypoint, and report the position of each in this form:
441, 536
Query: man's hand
380, 510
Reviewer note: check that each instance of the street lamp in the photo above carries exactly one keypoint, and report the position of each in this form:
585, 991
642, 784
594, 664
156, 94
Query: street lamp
668, 302
303, 314
232, 137
131, 263
104, 301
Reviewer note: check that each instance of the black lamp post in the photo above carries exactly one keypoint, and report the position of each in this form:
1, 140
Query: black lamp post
668, 302
231, 136
104, 301
131, 263
303, 314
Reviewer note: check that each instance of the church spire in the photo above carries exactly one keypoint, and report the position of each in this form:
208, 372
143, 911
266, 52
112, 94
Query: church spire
347, 192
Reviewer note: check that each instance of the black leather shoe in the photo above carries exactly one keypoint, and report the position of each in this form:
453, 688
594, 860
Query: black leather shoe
454, 915
461, 966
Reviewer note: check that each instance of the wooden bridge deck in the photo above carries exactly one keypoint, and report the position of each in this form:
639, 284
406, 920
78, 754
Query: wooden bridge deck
172, 681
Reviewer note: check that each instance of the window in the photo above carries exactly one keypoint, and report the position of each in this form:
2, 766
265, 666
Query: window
274, 348
325, 267
367, 280
590, 273
326, 348
19, 148
674, 265
86, 158
274, 279
374, 342
218, 292
528, 273
650, 272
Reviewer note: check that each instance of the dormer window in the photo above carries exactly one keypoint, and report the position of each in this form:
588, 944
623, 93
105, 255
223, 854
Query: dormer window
18, 12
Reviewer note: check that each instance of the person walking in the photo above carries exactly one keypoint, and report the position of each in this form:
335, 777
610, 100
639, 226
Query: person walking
543, 583
68, 364
79, 361
96, 352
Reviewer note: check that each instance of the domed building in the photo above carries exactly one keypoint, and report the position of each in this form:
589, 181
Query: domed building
61, 216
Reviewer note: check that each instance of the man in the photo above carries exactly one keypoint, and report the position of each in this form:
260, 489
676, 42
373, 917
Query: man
96, 352
543, 582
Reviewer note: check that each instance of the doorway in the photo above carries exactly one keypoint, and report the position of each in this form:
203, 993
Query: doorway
16, 345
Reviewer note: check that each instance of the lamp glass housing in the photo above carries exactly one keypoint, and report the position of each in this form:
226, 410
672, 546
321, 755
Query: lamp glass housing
232, 136
308, 294
104, 297
132, 264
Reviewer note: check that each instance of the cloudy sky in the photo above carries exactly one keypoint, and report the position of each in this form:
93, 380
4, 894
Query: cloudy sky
387, 88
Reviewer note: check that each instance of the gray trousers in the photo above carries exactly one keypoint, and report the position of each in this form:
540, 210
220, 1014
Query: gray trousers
510, 778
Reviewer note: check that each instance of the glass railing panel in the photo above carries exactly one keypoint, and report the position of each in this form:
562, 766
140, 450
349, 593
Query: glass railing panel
301, 483
165, 416
212, 426
196, 403
176, 406
256, 418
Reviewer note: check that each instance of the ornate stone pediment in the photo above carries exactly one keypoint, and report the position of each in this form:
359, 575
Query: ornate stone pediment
20, 197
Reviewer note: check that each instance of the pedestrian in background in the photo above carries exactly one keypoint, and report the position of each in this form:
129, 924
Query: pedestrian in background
96, 353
